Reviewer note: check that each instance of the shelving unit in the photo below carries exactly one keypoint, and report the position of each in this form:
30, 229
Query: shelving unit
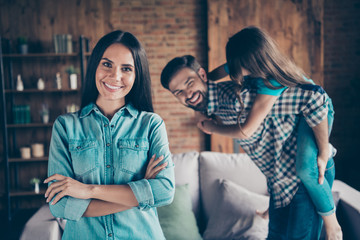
18, 171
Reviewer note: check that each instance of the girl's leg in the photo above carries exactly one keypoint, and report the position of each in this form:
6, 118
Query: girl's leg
307, 170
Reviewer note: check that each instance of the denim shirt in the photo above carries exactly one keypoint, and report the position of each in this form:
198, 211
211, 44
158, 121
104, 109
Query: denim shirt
93, 150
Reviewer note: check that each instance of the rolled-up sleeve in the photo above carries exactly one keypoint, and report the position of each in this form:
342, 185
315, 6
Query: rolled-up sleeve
316, 108
60, 163
160, 190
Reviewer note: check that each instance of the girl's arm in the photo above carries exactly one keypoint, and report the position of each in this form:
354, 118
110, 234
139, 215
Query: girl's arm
261, 107
218, 73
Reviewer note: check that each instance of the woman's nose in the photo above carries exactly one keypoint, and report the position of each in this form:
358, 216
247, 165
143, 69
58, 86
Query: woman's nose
117, 73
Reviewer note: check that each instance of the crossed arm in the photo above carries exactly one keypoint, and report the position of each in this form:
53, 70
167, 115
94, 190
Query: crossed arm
105, 199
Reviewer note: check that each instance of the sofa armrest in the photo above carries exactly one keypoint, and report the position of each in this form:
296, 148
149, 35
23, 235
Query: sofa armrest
42, 226
348, 211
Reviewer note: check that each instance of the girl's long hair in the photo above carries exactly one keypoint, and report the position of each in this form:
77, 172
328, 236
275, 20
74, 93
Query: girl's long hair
255, 51
140, 94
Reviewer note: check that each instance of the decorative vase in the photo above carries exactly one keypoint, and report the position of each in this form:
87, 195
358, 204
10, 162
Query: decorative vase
73, 81
37, 188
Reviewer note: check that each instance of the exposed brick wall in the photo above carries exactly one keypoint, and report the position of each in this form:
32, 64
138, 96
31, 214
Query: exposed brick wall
168, 29
342, 82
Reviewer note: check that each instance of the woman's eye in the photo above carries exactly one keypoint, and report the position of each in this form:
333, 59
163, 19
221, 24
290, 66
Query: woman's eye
190, 83
106, 64
127, 69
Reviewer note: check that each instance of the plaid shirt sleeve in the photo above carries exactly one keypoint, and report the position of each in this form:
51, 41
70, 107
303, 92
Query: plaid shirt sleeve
315, 109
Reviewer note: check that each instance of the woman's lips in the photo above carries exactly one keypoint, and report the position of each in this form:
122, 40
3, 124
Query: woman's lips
112, 87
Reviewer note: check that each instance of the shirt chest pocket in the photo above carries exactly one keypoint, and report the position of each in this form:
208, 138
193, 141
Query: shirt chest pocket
133, 155
84, 156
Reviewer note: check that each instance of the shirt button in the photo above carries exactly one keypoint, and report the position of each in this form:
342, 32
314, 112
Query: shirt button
137, 146
108, 144
108, 166
105, 125
110, 235
112, 125
78, 147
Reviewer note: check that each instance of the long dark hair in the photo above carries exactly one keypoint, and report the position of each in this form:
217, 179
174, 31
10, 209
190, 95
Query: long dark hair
257, 52
140, 94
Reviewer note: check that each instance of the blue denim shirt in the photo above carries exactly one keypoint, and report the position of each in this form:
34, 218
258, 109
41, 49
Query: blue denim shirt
91, 149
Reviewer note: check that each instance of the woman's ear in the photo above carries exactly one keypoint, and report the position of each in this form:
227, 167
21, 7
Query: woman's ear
202, 74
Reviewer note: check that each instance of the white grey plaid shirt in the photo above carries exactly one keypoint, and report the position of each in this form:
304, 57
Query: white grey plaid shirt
273, 146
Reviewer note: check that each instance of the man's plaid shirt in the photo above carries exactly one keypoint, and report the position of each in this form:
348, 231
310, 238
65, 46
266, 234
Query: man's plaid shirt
273, 146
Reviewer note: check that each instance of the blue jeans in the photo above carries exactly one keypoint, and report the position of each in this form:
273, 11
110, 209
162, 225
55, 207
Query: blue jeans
299, 219
307, 168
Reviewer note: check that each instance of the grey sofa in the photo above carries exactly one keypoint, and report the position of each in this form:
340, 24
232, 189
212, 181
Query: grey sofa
225, 190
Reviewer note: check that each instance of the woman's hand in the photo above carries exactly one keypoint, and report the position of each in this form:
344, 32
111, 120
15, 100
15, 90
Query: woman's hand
65, 186
152, 169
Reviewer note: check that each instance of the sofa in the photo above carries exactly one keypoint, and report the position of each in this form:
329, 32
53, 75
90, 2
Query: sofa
216, 197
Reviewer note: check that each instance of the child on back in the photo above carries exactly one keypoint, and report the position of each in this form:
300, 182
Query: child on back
253, 58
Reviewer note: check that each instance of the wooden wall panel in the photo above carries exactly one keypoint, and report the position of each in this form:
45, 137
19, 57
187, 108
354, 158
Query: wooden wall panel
40, 20
295, 25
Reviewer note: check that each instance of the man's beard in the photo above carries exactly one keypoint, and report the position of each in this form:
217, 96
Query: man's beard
202, 106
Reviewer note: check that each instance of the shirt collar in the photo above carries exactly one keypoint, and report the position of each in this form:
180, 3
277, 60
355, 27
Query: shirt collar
213, 100
129, 108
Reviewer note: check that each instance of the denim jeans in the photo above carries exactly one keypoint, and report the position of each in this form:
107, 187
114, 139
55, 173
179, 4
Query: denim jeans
307, 168
299, 219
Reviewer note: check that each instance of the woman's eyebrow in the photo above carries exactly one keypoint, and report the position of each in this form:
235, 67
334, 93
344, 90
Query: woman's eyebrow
107, 60
127, 65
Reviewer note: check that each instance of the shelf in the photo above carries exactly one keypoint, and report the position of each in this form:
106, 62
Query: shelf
34, 90
33, 159
29, 125
40, 55
23, 193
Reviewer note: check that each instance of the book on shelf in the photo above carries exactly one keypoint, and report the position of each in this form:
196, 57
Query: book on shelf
63, 43
21, 114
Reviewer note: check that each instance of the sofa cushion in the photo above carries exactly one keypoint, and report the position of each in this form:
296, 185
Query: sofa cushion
187, 172
177, 220
235, 167
42, 225
235, 216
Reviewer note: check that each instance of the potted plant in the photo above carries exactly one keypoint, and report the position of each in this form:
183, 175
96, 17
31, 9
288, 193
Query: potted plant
22, 45
72, 71
35, 182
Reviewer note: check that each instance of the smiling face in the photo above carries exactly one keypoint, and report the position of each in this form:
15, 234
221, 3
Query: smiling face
115, 76
190, 88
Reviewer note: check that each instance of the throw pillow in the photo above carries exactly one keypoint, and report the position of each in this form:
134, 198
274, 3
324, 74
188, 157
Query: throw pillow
177, 220
235, 216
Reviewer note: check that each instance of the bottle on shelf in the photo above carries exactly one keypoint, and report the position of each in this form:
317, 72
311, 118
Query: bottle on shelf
58, 81
41, 84
19, 83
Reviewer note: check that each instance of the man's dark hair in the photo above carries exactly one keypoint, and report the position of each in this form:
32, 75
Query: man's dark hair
175, 65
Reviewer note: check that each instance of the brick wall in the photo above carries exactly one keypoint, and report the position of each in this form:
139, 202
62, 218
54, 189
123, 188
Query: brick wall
168, 29
342, 82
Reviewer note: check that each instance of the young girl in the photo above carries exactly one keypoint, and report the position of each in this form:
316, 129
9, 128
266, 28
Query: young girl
253, 58
100, 178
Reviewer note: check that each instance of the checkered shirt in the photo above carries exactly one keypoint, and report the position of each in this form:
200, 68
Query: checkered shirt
273, 145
